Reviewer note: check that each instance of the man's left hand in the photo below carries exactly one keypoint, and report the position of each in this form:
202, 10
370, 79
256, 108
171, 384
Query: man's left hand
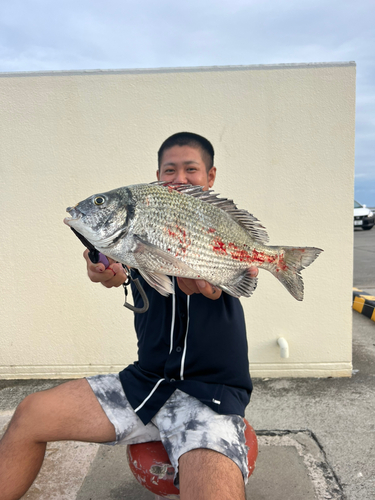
190, 286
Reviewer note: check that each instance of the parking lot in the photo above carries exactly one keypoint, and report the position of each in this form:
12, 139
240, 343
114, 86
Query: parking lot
364, 258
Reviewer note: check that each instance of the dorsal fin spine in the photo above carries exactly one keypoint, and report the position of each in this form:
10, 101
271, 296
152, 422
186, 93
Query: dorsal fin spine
242, 217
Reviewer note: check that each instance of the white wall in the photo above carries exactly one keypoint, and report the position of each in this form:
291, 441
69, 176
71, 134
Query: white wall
284, 141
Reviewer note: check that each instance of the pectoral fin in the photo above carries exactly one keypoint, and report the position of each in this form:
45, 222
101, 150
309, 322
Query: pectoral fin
160, 282
149, 257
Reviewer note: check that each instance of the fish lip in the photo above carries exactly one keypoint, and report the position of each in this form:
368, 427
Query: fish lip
74, 213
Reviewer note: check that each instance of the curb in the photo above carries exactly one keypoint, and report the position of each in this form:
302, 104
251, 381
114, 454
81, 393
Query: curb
364, 303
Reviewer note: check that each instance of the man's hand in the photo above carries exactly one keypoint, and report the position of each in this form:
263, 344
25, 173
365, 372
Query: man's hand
113, 276
190, 286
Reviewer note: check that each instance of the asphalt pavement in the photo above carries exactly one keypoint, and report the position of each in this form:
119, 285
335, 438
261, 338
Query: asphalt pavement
316, 436
364, 258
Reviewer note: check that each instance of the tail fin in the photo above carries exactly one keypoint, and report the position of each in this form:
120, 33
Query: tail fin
291, 264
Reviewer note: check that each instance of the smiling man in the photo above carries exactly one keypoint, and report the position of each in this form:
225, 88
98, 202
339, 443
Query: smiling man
188, 159
189, 387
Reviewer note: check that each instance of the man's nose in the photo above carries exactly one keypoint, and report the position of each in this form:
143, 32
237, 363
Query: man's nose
180, 178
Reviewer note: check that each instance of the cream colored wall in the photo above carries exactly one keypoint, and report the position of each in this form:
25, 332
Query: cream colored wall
284, 140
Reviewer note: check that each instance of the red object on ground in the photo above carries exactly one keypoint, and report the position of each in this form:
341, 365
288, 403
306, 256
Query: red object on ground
149, 462
252, 443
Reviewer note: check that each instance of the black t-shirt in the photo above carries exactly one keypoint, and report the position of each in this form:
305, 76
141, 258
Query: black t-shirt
189, 343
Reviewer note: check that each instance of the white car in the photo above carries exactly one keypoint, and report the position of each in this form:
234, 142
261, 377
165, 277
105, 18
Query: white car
363, 216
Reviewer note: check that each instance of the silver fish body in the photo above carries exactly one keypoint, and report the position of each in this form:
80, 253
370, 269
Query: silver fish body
180, 230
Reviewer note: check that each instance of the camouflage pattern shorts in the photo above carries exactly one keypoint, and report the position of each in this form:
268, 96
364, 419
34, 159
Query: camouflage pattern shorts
182, 424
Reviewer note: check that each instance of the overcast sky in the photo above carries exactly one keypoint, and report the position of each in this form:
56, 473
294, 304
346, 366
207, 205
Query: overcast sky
43, 35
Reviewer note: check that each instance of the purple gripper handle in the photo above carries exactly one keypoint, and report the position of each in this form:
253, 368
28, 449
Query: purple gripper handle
97, 257
103, 259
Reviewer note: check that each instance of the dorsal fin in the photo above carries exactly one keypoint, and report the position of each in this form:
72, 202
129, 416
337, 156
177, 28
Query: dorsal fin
242, 217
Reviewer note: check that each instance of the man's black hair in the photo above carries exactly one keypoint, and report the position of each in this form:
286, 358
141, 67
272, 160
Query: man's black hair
192, 140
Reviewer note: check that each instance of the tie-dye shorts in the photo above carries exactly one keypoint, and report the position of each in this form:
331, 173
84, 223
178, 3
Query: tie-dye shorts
182, 424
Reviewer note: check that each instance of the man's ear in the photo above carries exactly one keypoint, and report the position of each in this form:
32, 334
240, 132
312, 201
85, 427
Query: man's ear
211, 176
158, 175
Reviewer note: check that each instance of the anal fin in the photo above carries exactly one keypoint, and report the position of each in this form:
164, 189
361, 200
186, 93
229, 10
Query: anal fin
243, 287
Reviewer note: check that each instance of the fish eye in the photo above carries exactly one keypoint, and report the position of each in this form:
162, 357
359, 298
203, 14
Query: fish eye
99, 200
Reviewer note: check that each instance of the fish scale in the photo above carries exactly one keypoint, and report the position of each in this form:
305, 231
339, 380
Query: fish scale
181, 230
196, 249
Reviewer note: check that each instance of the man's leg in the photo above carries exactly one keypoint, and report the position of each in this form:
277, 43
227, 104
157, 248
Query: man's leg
209, 475
67, 412
207, 450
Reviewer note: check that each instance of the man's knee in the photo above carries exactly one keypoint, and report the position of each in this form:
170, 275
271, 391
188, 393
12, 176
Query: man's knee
69, 411
27, 415
210, 475
209, 458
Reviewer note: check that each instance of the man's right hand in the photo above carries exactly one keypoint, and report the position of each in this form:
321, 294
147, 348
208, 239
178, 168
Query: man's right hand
113, 276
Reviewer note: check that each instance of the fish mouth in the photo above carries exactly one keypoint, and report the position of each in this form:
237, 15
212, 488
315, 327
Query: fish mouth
75, 215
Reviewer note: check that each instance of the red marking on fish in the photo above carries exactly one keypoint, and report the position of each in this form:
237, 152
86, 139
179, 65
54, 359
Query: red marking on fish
218, 246
183, 241
261, 257
256, 258
173, 187
238, 254
211, 230
281, 265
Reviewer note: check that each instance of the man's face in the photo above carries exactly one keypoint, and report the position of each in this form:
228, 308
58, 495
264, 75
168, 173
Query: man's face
184, 164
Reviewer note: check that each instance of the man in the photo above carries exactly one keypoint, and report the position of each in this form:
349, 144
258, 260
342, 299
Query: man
189, 387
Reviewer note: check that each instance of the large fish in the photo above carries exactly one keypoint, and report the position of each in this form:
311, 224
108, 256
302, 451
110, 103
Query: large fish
180, 230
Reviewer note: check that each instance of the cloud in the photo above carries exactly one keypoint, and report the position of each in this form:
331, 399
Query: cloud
91, 34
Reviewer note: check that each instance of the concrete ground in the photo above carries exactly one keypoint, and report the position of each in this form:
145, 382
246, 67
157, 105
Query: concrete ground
316, 439
316, 436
